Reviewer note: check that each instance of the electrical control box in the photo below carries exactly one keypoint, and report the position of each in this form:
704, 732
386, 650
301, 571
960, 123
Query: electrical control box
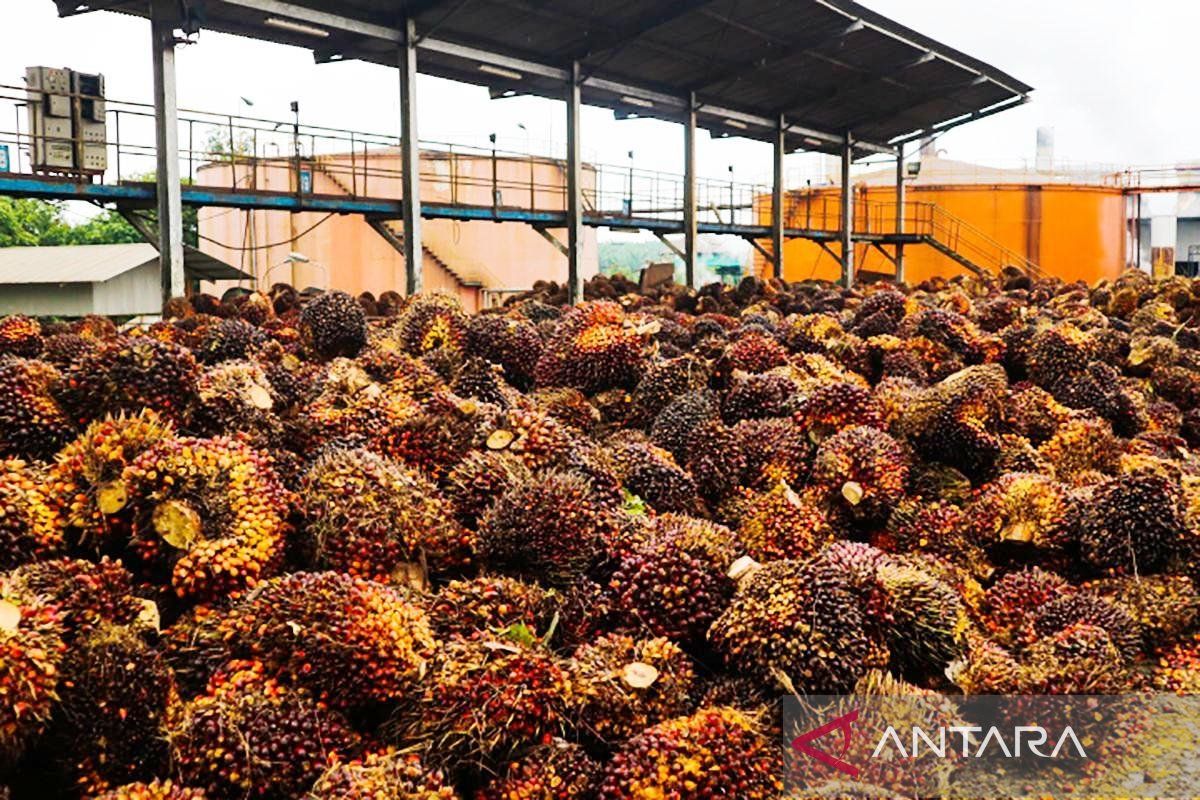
89, 89
50, 89
67, 124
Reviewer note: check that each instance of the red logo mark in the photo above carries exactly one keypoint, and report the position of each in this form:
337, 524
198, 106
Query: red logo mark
803, 743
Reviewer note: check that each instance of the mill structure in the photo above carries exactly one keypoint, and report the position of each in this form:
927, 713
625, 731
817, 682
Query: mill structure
828, 76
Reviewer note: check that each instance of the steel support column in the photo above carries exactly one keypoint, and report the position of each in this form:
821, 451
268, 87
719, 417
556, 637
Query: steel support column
899, 259
574, 189
777, 200
847, 225
410, 161
689, 192
166, 140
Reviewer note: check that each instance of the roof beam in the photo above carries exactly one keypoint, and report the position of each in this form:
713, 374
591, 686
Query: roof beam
773, 40
415, 8
620, 37
916, 102
797, 130
866, 79
911, 41
442, 19
792, 49
323, 19
996, 108
70, 8
548, 13
469, 53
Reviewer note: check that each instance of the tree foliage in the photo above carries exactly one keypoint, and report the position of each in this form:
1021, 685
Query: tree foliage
24, 223
30, 223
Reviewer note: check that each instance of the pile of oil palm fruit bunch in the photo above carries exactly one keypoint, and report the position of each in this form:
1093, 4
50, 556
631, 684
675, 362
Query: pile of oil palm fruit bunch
306, 545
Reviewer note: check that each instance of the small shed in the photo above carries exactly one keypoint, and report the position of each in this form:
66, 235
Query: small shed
117, 280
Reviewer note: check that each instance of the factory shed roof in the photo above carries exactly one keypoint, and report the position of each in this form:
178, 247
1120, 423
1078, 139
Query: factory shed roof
96, 263
826, 66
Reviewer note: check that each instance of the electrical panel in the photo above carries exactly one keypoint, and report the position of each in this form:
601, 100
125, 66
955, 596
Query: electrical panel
66, 121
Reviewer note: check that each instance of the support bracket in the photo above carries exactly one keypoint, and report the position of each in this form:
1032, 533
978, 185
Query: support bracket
825, 246
764, 251
553, 240
140, 224
885, 253
383, 229
674, 248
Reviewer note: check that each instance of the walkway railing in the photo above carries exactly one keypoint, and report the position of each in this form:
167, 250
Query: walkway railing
923, 221
240, 152
243, 153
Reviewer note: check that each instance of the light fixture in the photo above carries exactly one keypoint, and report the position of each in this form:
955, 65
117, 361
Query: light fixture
636, 101
297, 258
511, 74
296, 27
736, 123
812, 140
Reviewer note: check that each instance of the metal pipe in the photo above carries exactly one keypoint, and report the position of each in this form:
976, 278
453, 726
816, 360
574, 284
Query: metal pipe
495, 177
847, 226
232, 158
574, 189
410, 158
777, 200
689, 192
166, 130
296, 150
117, 131
900, 212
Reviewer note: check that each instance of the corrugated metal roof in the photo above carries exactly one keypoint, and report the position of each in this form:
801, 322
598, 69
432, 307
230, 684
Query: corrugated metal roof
96, 263
828, 65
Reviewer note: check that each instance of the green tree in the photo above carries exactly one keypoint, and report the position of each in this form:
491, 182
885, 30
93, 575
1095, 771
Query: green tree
26, 223
217, 142
33, 223
107, 227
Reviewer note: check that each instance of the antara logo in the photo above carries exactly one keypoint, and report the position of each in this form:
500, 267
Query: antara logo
938, 742
1024, 738
803, 743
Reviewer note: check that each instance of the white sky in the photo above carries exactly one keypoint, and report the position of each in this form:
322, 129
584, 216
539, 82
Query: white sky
1115, 79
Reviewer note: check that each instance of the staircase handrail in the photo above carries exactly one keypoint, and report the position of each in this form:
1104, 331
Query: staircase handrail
487, 274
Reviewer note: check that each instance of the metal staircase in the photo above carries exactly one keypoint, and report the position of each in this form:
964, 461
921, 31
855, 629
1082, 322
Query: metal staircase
925, 223
965, 244
388, 230
395, 238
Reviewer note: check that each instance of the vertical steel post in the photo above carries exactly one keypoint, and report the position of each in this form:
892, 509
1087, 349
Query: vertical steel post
117, 115
847, 214
689, 192
777, 199
410, 157
166, 141
574, 189
899, 212
495, 180
232, 158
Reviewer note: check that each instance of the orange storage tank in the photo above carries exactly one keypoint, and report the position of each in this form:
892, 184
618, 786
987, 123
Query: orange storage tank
1073, 230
